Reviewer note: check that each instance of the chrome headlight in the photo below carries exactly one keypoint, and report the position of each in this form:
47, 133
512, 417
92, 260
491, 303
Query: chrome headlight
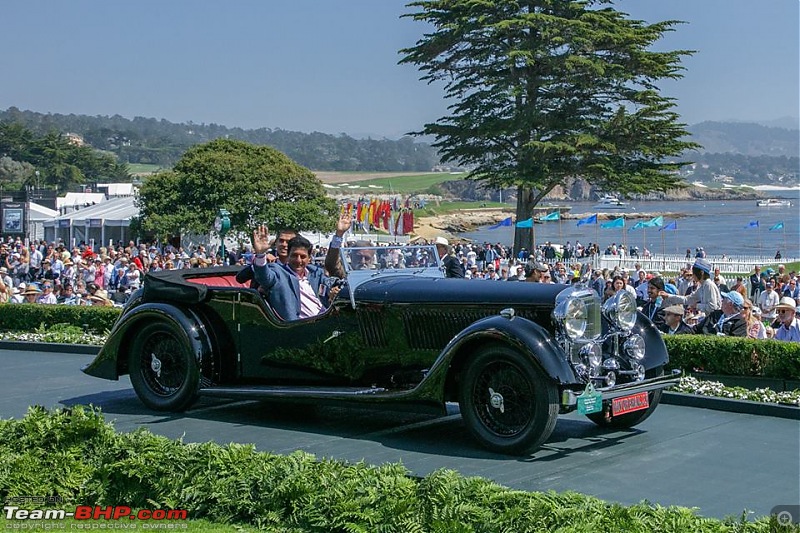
571, 313
620, 309
592, 353
634, 347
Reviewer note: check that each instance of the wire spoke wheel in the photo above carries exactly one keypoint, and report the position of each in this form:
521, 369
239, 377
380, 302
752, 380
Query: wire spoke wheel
163, 367
164, 372
504, 399
508, 404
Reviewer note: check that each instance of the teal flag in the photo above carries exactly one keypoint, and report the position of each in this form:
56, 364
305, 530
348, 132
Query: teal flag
525, 223
618, 223
552, 216
777, 226
656, 222
639, 225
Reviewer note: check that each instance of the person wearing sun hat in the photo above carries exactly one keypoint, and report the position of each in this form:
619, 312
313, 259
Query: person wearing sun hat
450, 263
31, 294
727, 321
789, 329
706, 298
100, 297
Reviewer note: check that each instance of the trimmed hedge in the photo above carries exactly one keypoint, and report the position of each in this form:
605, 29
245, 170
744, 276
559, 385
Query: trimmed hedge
73, 454
28, 317
734, 356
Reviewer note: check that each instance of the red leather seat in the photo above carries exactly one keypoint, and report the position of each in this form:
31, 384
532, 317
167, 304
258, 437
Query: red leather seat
219, 281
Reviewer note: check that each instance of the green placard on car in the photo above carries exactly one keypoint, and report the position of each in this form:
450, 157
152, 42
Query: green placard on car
590, 401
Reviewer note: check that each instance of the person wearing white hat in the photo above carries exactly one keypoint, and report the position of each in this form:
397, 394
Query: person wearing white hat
706, 298
18, 297
789, 329
451, 264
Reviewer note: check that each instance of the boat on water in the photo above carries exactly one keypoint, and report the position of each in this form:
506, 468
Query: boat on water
609, 201
774, 202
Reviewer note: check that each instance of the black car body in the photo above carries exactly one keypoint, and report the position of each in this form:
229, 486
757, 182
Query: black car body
513, 354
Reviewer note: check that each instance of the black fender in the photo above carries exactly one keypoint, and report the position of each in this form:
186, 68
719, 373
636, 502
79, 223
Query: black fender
522, 334
111, 362
655, 350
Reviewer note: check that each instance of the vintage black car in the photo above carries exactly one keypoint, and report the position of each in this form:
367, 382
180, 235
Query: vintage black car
399, 334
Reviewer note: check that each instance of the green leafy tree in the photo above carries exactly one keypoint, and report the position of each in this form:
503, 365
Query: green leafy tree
256, 184
545, 90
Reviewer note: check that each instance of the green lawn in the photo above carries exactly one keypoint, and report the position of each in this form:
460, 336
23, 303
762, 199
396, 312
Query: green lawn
141, 168
413, 183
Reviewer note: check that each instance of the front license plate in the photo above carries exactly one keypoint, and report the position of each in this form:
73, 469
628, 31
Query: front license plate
628, 404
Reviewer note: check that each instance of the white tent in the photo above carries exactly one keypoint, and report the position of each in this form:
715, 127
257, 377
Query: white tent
37, 216
97, 225
78, 200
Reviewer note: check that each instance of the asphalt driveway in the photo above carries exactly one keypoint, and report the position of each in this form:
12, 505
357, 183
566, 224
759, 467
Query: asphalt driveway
722, 463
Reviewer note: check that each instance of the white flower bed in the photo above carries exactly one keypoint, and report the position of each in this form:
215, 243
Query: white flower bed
57, 337
693, 385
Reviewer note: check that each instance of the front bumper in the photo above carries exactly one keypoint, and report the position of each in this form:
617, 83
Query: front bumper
569, 398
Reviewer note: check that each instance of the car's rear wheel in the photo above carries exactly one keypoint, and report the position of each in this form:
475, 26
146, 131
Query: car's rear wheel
164, 373
508, 404
628, 420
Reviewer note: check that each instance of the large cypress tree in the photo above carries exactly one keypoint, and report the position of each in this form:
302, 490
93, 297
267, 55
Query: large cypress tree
545, 90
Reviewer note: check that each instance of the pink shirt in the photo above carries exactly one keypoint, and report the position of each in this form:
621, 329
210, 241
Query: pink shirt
309, 303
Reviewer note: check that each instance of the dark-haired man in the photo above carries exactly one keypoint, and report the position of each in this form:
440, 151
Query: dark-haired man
297, 289
654, 307
281, 247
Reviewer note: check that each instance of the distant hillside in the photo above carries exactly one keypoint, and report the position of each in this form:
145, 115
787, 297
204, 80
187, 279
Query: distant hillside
160, 142
746, 139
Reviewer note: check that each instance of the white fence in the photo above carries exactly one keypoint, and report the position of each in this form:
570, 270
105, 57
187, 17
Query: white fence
736, 264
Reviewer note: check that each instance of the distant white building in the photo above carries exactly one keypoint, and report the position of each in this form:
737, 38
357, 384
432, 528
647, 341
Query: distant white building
73, 201
116, 190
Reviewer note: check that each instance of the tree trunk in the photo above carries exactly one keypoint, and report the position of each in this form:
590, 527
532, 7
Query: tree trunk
523, 237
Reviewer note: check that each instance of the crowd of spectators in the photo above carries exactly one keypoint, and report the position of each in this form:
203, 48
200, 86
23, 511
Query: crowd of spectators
51, 273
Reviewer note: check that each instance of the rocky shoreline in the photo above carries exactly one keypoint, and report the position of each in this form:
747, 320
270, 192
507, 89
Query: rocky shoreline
467, 220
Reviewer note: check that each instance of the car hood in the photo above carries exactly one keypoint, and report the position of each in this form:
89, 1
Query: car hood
409, 289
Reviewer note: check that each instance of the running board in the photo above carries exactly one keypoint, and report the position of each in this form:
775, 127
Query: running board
291, 392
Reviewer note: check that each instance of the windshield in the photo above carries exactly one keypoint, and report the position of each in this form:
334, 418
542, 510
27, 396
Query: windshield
380, 258
364, 263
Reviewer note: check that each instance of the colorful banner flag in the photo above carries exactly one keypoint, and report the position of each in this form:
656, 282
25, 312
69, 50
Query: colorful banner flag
618, 223
779, 225
551, 216
656, 222
638, 225
502, 223
671, 226
525, 223
752, 224
588, 220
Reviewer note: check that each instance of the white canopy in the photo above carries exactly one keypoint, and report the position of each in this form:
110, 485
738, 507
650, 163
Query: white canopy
39, 212
79, 199
105, 221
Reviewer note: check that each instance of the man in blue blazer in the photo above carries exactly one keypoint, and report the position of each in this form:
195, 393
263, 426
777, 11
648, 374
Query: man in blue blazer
297, 289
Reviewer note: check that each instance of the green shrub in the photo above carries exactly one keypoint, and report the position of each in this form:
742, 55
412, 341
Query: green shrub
734, 355
73, 454
27, 317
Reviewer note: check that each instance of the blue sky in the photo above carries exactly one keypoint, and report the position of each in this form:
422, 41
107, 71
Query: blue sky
331, 65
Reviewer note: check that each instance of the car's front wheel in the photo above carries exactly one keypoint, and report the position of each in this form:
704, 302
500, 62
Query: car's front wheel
628, 420
163, 370
508, 404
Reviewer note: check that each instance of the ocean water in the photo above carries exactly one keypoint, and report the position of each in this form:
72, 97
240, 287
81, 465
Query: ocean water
720, 227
